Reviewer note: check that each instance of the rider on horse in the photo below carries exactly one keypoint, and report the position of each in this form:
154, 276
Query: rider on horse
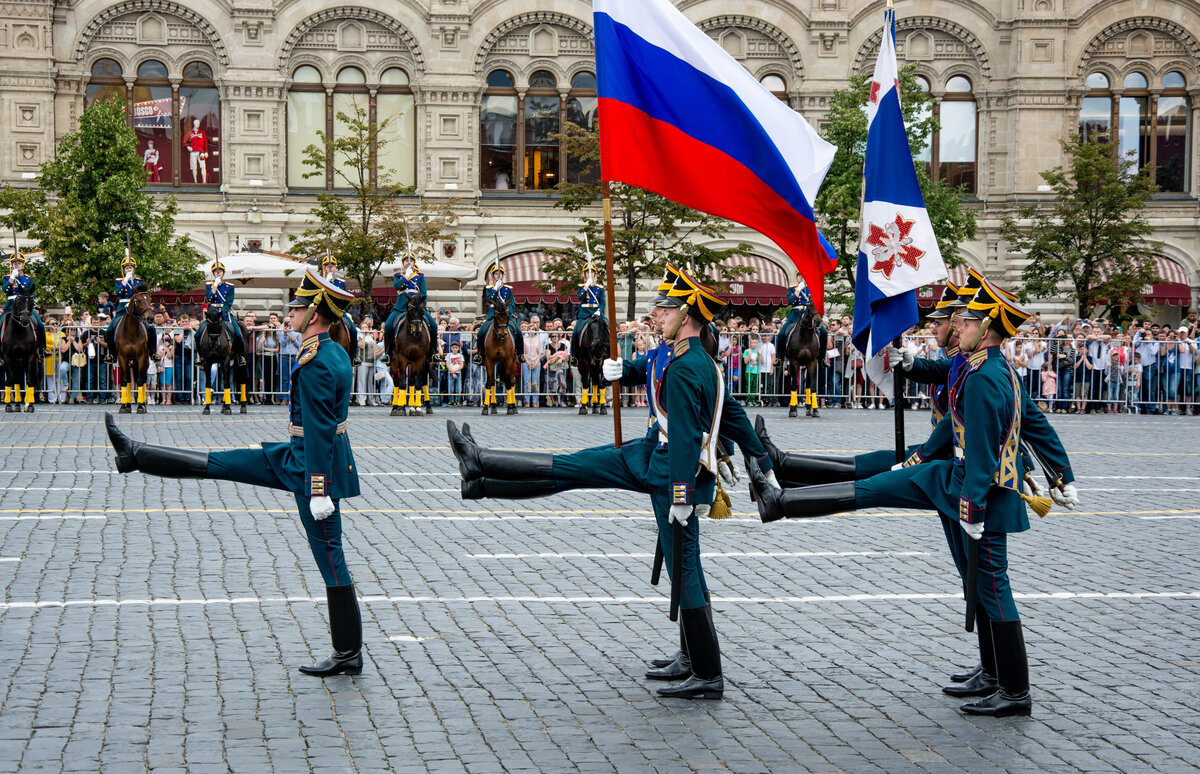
591, 301
124, 289
328, 270
18, 284
503, 293
220, 293
799, 298
409, 283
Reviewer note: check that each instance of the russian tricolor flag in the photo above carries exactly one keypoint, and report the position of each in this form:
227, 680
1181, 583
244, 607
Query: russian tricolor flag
680, 117
897, 251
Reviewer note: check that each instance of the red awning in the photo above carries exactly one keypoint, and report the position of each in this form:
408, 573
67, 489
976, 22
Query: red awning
765, 285
928, 295
1168, 294
523, 270
165, 297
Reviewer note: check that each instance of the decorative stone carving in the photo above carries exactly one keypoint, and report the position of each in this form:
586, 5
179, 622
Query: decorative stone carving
149, 22
351, 29
756, 43
937, 39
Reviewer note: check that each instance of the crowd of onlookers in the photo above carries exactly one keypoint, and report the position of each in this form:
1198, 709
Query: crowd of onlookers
1068, 365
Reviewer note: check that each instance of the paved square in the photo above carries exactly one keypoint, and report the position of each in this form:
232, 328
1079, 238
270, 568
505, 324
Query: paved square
156, 624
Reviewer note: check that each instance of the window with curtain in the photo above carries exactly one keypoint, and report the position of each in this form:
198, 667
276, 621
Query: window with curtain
311, 110
178, 129
582, 110
950, 154
541, 119
1151, 128
498, 132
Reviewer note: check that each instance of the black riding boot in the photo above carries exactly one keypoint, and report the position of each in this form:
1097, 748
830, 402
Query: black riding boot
475, 461
345, 629
164, 461
1012, 671
804, 469
706, 681
983, 682
799, 502
505, 489
389, 337
659, 663
112, 347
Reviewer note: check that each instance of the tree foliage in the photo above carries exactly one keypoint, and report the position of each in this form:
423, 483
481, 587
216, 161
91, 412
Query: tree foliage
648, 230
839, 202
372, 224
90, 197
1092, 236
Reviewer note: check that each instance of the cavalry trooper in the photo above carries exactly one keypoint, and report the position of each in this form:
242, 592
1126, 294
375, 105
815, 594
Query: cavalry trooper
980, 487
220, 293
17, 283
316, 463
329, 272
497, 290
409, 283
686, 385
591, 302
124, 289
798, 297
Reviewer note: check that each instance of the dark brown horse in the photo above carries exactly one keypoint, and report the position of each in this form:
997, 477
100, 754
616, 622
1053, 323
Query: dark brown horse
409, 360
499, 361
804, 349
593, 349
132, 338
338, 333
20, 349
215, 349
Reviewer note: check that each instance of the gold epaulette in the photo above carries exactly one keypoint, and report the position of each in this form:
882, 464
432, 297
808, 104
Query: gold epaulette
308, 349
681, 348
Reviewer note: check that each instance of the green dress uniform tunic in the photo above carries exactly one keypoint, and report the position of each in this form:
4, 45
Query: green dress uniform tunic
317, 460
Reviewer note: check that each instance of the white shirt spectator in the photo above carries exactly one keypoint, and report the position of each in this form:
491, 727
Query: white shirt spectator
767, 354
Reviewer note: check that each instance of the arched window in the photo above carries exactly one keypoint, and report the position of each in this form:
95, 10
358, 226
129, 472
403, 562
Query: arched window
925, 156
498, 132
152, 121
311, 110
1151, 127
541, 118
105, 83
200, 122
951, 152
305, 117
775, 85
582, 110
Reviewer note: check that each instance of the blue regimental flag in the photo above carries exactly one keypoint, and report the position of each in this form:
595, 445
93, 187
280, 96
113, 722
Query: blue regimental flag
897, 251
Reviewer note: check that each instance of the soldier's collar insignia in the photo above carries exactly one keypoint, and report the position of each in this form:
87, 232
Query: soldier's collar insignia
308, 349
681, 347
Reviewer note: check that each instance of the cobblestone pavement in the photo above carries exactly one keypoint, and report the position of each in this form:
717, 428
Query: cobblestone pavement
151, 624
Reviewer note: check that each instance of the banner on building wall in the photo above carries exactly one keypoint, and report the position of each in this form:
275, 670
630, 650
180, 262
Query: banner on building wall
155, 113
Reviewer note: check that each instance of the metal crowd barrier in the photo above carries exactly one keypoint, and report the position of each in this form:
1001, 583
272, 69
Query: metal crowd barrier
1089, 376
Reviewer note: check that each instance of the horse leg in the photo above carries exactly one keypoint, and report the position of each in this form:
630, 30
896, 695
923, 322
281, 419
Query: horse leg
812, 381
126, 388
399, 388
425, 376
510, 387
141, 394
9, 377
226, 389
489, 384
411, 378
793, 379
584, 395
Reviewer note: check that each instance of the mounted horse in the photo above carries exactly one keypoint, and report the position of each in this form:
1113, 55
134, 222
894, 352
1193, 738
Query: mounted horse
340, 334
804, 348
132, 338
592, 351
215, 349
499, 360
409, 361
21, 352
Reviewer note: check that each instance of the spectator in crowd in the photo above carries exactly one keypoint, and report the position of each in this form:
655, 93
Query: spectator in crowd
1187, 360
557, 355
364, 373
766, 368
55, 387
531, 365
166, 367
269, 347
752, 362
455, 363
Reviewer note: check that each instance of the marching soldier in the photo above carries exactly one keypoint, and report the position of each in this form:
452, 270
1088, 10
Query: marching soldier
686, 385
591, 302
498, 291
17, 283
329, 272
316, 463
981, 486
409, 283
124, 289
220, 293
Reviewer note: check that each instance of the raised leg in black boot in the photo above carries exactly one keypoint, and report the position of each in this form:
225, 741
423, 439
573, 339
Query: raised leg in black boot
1012, 668
503, 474
345, 630
799, 502
704, 652
794, 470
164, 461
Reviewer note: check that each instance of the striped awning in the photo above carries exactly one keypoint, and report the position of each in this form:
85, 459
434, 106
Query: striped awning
766, 284
522, 270
1173, 288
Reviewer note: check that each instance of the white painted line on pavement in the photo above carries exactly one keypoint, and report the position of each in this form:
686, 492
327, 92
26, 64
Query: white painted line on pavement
455, 474
10, 559
706, 554
456, 489
813, 599
50, 517
41, 472
1160, 518
1142, 478
1145, 489
47, 488
406, 639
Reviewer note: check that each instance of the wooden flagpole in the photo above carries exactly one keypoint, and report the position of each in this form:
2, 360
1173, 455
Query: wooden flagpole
611, 290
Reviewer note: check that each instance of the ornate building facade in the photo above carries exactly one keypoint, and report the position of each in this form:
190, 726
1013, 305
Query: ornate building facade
226, 95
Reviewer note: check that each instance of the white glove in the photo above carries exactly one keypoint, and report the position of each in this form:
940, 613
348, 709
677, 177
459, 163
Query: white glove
680, 514
900, 358
612, 369
726, 471
702, 511
974, 531
128, 276
1067, 498
772, 480
321, 507
1034, 489
897, 466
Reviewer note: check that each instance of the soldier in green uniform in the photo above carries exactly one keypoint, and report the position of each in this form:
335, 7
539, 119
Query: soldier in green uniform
316, 463
686, 385
981, 484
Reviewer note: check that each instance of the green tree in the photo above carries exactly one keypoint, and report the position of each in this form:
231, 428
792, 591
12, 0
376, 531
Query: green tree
371, 225
839, 202
1092, 237
90, 197
648, 230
